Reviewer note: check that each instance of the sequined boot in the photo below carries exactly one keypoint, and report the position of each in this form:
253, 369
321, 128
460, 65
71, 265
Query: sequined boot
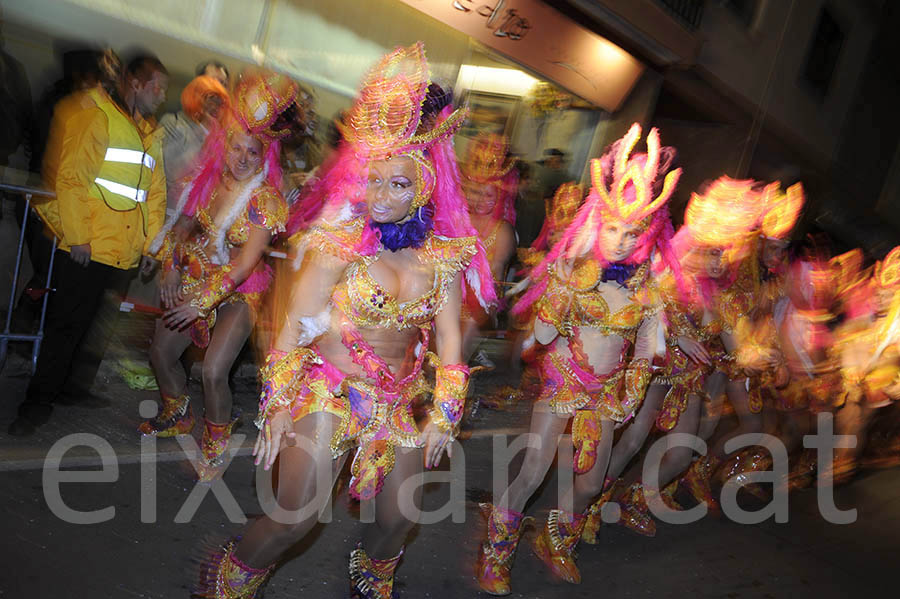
224, 576
555, 546
591, 534
175, 418
736, 468
668, 496
371, 578
803, 473
635, 513
495, 557
212, 447
697, 480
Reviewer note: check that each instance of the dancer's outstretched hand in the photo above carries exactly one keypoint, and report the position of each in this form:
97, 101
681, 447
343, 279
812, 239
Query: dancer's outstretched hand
277, 432
436, 443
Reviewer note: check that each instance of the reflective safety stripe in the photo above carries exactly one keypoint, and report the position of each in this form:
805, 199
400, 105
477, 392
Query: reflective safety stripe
130, 157
138, 195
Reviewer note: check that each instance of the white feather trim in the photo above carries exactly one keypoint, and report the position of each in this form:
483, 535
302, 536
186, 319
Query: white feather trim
312, 327
171, 218
475, 283
237, 208
529, 341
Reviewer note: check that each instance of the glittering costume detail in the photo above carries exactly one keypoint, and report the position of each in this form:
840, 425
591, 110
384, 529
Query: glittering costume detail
555, 546
224, 576
627, 174
635, 514
206, 280
281, 377
737, 467
781, 210
594, 519
450, 390
637, 378
725, 215
260, 98
219, 286
371, 578
176, 418
496, 555
576, 302
384, 120
368, 305
212, 446
698, 478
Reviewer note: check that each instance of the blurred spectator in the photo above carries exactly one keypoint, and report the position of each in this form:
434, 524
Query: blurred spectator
214, 69
298, 149
531, 209
110, 201
81, 71
202, 105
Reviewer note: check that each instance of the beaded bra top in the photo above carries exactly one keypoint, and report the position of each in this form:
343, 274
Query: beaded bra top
578, 303
265, 209
367, 304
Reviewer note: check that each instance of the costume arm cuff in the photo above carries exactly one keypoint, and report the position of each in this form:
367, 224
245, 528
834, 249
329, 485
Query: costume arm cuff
450, 389
280, 377
218, 287
166, 252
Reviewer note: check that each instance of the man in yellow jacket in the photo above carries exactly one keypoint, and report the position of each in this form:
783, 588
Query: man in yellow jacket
110, 202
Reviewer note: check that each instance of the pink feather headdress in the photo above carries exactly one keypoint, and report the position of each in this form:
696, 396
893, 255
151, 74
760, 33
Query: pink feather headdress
626, 187
386, 121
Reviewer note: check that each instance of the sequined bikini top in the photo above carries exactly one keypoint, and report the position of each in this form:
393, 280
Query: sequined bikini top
367, 304
265, 208
578, 303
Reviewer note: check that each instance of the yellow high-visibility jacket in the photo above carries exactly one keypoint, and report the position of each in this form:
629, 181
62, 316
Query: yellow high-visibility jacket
109, 181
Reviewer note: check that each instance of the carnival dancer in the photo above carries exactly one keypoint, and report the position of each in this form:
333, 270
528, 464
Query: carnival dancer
597, 313
490, 183
867, 347
711, 251
214, 276
561, 212
380, 269
723, 216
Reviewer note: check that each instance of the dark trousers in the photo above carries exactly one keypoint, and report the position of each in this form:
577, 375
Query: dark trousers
72, 349
28, 310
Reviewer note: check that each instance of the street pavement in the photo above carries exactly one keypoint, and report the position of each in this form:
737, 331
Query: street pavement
145, 552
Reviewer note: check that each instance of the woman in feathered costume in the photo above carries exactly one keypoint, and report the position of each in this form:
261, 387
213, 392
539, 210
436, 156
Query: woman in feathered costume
489, 180
596, 310
214, 276
379, 270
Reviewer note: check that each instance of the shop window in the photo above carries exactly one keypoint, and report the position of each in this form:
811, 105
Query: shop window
824, 52
743, 10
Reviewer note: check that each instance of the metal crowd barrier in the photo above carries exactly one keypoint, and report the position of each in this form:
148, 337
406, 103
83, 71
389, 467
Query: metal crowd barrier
6, 336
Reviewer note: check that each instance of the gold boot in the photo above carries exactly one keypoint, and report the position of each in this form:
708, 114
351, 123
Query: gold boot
635, 513
697, 480
591, 533
175, 418
226, 577
496, 554
555, 546
371, 578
